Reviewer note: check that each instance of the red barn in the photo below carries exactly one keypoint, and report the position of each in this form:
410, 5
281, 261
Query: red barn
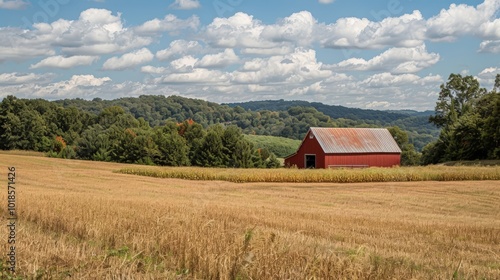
346, 147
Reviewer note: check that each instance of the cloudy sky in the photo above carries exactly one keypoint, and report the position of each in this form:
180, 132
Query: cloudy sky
389, 54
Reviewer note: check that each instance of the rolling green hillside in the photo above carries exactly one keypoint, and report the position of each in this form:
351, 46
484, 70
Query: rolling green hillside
280, 146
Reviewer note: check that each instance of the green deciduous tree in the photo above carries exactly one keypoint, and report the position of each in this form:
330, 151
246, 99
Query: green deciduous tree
193, 133
243, 154
230, 138
134, 146
409, 156
172, 148
400, 136
489, 113
273, 162
211, 151
92, 141
469, 119
20, 126
456, 98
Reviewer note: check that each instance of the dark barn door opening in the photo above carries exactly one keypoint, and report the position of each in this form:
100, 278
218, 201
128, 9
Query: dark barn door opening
310, 161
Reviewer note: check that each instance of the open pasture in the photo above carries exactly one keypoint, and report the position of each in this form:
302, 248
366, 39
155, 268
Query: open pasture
81, 219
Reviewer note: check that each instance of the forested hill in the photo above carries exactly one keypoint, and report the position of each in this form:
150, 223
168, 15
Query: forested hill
412, 112
289, 119
419, 120
334, 111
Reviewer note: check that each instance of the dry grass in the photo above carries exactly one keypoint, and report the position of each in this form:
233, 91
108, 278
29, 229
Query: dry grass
80, 219
22, 153
397, 174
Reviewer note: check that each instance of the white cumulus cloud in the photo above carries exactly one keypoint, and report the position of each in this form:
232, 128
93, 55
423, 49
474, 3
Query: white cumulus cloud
407, 31
24, 78
185, 4
218, 60
394, 60
19, 44
65, 62
128, 60
462, 19
95, 32
389, 80
490, 46
78, 85
487, 77
239, 30
297, 28
269, 51
86, 81
184, 64
299, 66
148, 69
170, 23
243, 31
178, 48
13, 4
199, 76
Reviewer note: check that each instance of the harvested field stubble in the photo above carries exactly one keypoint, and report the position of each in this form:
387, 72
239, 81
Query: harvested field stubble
80, 219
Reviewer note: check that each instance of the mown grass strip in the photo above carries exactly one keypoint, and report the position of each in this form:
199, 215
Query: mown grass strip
399, 174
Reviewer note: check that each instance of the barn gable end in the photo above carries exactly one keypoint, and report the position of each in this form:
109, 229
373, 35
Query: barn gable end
346, 147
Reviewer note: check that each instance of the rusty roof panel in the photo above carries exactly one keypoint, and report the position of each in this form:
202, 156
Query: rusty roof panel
355, 140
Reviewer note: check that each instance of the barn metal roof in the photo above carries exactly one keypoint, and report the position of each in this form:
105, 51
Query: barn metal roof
355, 140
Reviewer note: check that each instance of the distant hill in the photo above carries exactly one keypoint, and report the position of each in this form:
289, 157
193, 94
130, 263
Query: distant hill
334, 111
416, 123
412, 112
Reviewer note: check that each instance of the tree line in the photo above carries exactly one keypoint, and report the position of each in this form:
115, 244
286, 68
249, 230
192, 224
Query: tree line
114, 135
469, 118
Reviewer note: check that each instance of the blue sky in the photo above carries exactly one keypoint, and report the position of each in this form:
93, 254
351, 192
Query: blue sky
390, 54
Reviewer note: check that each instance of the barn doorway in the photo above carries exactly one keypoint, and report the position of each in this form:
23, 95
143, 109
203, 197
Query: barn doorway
311, 161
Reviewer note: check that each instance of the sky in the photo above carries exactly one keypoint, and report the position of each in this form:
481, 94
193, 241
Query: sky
384, 55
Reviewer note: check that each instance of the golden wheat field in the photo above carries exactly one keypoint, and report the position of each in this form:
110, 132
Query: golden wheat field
82, 220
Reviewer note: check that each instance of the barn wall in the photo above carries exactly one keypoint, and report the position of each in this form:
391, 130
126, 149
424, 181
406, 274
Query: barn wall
363, 160
308, 146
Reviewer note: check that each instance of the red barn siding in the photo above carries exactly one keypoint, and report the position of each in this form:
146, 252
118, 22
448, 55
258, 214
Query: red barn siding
362, 160
308, 147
